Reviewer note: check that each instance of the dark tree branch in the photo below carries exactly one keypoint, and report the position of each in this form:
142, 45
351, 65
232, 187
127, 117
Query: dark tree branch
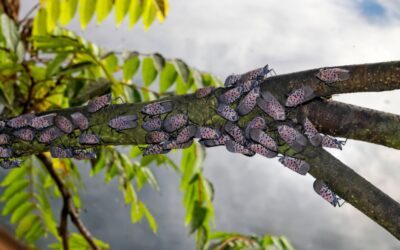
68, 207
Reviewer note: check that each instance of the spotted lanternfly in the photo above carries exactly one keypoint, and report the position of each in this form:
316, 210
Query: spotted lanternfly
232, 80
231, 95
155, 137
20, 121
292, 137
84, 154
270, 105
64, 124
186, 134
24, 134
50, 134
157, 108
79, 120
257, 74
203, 92
5, 152
175, 122
152, 124
123, 122
312, 133
325, 192
10, 163
264, 139
257, 122
175, 145
2, 125
216, 142
208, 133
297, 165
98, 103
227, 112
4, 139
235, 147
330, 142
299, 96
248, 103
261, 150
58, 152
332, 75
249, 85
235, 132
43, 121
154, 150
87, 138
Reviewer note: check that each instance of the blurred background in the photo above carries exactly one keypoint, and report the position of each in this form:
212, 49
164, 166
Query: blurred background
257, 195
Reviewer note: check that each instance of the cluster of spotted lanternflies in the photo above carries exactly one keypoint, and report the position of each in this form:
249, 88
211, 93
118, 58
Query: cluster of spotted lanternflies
240, 96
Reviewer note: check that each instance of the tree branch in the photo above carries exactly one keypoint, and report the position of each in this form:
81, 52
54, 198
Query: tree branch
68, 207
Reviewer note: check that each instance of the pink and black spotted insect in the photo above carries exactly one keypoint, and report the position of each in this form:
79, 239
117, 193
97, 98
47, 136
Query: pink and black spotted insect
4, 139
24, 134
80, 120
264, 139
312, 133
98, 103
227, 112
261, 150
325, 192
292, 137
299, 96
58, 152
168, 145
270, 105
257, 122
10, 163
175, 122
231, 95
43, 121
331, 75
297, 165
330, 142
157, 108
123, 122
154, 149
232, 80
257, 74
204, 92
88, 138
249, 85
216, 142
186, 134
152, 124
64, 124
155, 137
84, 154
20, 121
235, 147
235, 132
50, 134
208, 133
5, 152
247, 104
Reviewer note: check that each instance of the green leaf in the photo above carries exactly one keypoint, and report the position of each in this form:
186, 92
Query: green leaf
53, 13
68, 11
149, 71
135, 152
54, 66
149, 13
40, 23
26, 224
103, 9
149, 217
201, 238
182, 68
111, 63
21, 212
130, 195
86, 11
199, 214
14, 175
10, 32
197, 77
20, 51
8, 91
135, 12
121, 9
168, 77
13, 189
136, 213
14, 202
35, 231
130, 66
285, 243
159, 61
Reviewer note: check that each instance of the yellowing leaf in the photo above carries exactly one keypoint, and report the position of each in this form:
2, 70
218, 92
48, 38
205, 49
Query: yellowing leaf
163, 8
53, 13
121, 8
135, 11
103, 8
68, 8
86, 11
149, 13
39, 23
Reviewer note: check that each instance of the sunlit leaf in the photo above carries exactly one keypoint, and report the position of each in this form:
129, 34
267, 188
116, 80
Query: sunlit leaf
54, 66
13, 189
10, 32
14, 202
20, 51
53, 13
26, 224
149, 13
135, 11
130, 66
168, 77
182, 68
149, 217
40, 23
21, 212
111, 63
68, 8
103, 9
121, 9
149, 71
201, 238
163, 7
86, 11
159, 61
13, 175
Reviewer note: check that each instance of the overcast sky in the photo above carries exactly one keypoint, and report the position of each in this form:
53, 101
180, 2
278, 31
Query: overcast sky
257, 195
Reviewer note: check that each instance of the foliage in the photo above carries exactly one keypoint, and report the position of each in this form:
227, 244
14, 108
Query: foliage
52, 67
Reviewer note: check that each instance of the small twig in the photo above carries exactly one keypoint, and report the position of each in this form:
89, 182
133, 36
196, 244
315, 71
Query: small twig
232, 239
29, 13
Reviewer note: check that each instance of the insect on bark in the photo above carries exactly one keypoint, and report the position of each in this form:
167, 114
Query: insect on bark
235, 132
292, 137
88, 138
231, 95
312, 133
208, 133
270, 105
247, 104
264, 139
84, 154
257, 122
204, 92
330, 142
24, 134
175, 122
232, 80
50, 134
157, 108
215, 142
186, 134
98, 103
227, 112
152, 124
154, 149
5, 152
331, 75
168, 145
123, 122
79, 120
10, 163
235, 147
4, 139
261, 150
20, 121
299, 96
325, 192
297, 165
155, 137
64, 124
43, 121
58, 152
